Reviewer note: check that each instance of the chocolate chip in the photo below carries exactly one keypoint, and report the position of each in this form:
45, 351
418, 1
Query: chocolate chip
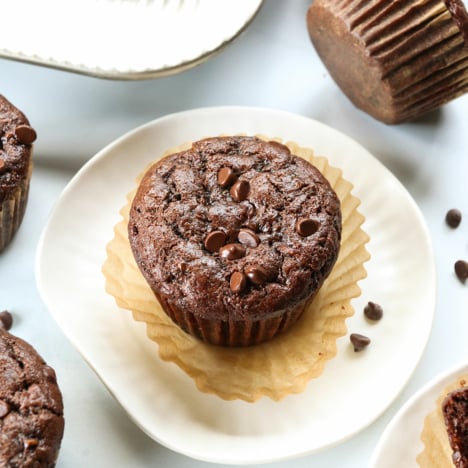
238, 282
49, 374
6, 320
453, 218
306, 227
240, 190
256, 274
359, 342
373, 311
248, 238
4, 409
461, 270
25, 134
30, 443
214, 241
2, 164
232, 251
226, 177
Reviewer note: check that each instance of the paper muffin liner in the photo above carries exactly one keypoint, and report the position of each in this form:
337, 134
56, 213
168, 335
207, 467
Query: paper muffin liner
417, 53
437, 451
275, 368
13, 208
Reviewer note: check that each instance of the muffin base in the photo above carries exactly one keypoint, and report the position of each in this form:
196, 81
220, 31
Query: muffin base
234, 333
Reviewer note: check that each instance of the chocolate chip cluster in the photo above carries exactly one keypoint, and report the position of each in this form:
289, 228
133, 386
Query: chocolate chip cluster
215, 241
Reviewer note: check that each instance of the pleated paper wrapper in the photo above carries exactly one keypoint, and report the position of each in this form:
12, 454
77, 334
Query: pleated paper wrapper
437, 452
273, 369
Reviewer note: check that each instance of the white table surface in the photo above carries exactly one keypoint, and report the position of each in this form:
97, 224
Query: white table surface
272, 64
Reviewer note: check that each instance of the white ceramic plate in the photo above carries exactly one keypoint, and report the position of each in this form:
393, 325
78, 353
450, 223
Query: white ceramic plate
400, 443
121, 39
355, 387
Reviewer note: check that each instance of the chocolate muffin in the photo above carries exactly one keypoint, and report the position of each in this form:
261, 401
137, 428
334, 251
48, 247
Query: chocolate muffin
455, 411
394, 60
31, 408
16, 138
234, 236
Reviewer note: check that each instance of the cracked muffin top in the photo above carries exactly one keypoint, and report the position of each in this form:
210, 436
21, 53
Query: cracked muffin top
31, 407
234, 227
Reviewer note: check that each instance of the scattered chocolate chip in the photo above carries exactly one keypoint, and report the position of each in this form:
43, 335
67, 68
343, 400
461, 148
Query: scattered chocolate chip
2, 164
256, 274
240, 190
453, 218
226, 177
4, 409
461, 270
373, 311
238, 282
214, 241
248, 238
25, 134
306, 227
232, 251
359, 342
6, 320
30, 443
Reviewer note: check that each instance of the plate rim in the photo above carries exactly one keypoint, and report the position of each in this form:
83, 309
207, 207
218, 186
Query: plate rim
150, 72
225, 109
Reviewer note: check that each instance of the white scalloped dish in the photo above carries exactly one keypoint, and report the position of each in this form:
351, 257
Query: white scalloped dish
354, 389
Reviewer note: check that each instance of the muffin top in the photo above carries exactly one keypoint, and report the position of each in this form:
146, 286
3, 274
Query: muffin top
31, 408
16, 138
234, 227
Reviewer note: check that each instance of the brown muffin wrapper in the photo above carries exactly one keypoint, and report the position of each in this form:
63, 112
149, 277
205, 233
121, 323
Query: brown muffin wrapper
437, 452
12, 210
233, 332
420, 49
275, 368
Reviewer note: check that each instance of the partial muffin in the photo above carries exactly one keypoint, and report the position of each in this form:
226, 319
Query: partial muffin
235, 236
455, 411
445, 432
394, 60
16, 139
31, 407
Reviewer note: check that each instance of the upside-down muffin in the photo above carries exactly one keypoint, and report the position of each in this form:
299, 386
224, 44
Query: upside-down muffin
16, 139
